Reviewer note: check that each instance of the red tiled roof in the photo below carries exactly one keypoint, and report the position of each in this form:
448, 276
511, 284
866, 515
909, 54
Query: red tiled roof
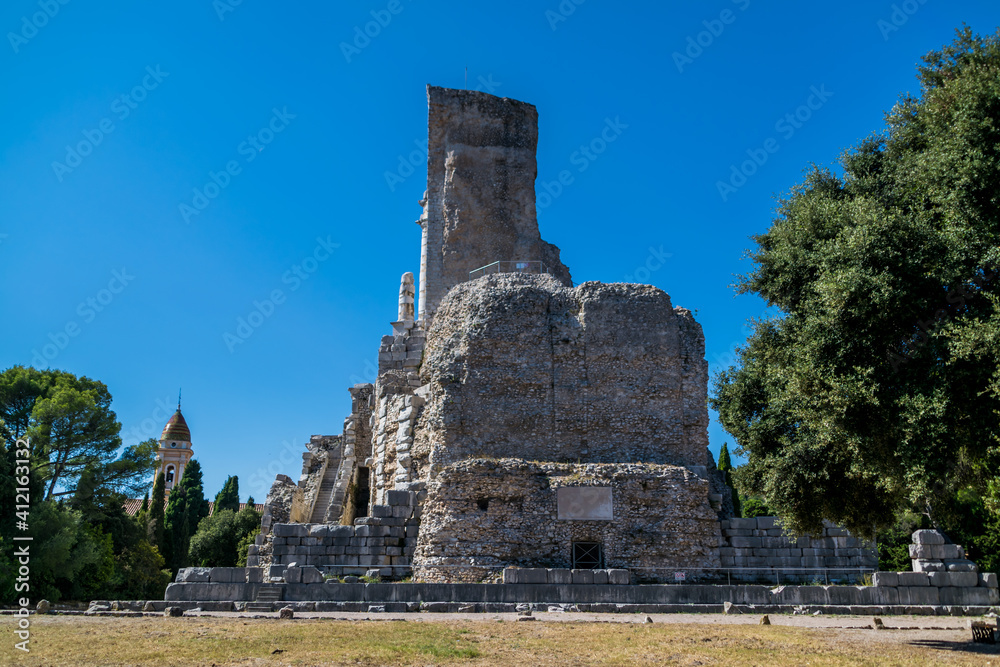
133, 505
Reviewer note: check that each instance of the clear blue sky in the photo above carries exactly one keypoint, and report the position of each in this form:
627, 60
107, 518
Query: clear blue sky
198, 86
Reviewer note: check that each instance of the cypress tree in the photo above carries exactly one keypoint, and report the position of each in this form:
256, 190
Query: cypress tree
185, 510
155, 518
229, 497
726, 468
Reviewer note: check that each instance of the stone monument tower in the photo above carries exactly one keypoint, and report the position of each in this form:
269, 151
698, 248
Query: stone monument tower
480, 202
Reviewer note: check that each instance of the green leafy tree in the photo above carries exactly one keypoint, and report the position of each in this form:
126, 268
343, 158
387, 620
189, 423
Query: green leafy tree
754, 507
72, 427
876, 388
69, 557
20, 387
220, 537
229, 497
242, 549
186, 508
141, 573
155, 519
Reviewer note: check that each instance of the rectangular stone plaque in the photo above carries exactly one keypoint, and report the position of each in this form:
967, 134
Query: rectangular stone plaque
584, 503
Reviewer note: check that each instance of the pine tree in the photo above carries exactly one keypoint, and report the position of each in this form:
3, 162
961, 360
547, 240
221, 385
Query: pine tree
229, 497
155, 519
185, 510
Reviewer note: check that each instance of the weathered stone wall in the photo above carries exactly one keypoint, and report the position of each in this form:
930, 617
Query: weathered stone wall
755, 547
480, 201
384, 541
483, 515
357, 447
520, 366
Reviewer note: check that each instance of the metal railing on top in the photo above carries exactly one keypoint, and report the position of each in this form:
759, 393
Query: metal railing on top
530, 266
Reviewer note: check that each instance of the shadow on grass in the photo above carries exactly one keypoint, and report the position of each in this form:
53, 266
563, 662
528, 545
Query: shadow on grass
963, 647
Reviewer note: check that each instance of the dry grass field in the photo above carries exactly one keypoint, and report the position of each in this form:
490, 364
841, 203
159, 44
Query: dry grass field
76, 640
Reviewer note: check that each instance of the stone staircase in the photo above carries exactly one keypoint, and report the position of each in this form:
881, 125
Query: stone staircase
267, 595
325, 493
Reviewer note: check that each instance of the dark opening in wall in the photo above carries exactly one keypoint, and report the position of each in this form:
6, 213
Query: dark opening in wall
483, 504
361, 492
588, 556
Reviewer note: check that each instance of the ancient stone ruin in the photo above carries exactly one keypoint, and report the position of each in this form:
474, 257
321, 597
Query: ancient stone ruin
517, 420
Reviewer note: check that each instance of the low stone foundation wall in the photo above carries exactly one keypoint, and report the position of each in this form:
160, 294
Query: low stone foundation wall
384, 541
873, 599
754, 547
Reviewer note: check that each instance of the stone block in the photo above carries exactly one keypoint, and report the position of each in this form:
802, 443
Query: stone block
319, 530
292, 575
275, 571
311, 575
559, 576
227, 575
885, 579
936, 552
619, 577
962, 565
600, 577
293, 541
913, 579
532, 575
254, 575
965, 596
954, 579
283, 530
583, 577
751, 542
743, 524
919, 595
341, 531
767, 522
929, 566
401, 511
928, 537
193, 574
